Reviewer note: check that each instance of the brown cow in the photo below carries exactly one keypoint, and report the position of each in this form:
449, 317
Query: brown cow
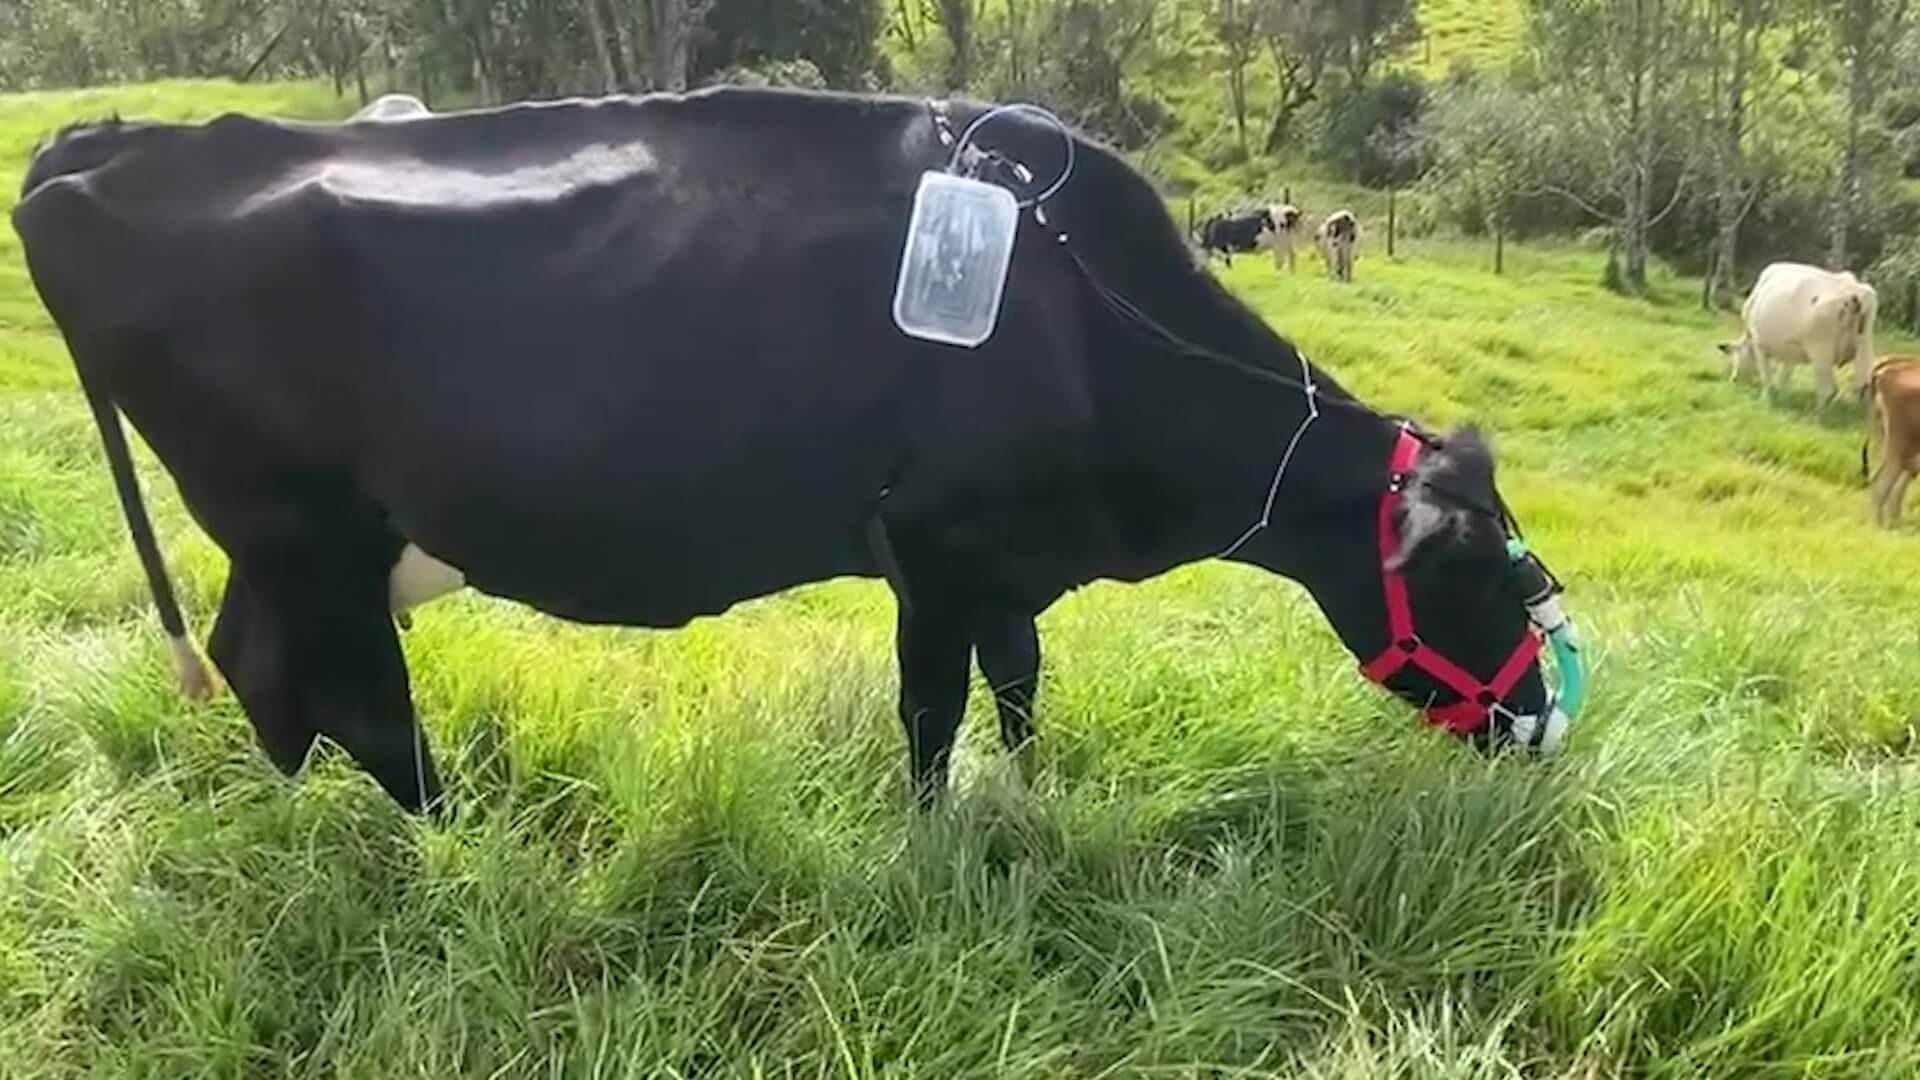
1893, 405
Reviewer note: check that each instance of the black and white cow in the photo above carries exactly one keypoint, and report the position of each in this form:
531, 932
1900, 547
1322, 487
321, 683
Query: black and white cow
1284, 235
539, 350
1230, 233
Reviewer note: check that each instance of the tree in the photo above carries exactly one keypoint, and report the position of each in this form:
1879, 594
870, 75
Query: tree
1370, 29
1302, 37
1236, 23
1095, 40
1483, 138
1623, 79
957, 20
1746, 77
835, 36
1867, 35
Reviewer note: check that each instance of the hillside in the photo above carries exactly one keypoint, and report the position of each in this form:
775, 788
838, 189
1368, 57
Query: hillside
686, 854
1484, 33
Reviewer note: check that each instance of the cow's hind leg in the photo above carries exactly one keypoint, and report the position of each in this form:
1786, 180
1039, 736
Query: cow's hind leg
1880, 489
1008, 648
1897, 496
307, 642
933, 645
1826, 390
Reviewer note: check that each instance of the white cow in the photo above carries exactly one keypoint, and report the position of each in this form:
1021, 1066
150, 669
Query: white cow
1337, 237
1285, 231
391, 107
1796, 311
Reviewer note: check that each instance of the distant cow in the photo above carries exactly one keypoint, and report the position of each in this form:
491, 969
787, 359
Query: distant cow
1796, 310
392, 107
1893, 406
1230, 233
1285, 231
1336, 238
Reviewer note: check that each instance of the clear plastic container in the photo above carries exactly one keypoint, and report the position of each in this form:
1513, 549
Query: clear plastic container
953, 268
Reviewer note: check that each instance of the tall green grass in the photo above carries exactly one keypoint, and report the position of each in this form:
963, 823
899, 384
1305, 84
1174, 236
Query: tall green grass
687, 854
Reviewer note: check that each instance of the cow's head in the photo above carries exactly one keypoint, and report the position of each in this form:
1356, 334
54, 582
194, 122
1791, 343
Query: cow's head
1477, 602
1427, 582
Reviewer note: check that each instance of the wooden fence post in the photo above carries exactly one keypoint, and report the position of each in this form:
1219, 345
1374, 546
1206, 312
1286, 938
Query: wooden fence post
1390, 222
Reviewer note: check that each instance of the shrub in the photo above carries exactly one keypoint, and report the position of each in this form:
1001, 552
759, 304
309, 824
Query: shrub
1374, 135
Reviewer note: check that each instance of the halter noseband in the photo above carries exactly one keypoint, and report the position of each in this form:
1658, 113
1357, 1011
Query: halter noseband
1477, 699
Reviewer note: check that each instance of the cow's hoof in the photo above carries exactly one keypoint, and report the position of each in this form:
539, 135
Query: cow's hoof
196, 681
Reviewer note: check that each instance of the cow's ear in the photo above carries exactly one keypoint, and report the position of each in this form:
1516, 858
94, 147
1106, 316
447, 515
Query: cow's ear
1469, 457
1453, 476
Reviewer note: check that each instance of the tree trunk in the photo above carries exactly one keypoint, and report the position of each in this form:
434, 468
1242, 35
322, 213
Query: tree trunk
670, 31
597, 29
1499, 246
1390, 221
1237, 96
956, 18
1016, 33
1640, 167
631, 65
359, 65
1730, 201
1847, 204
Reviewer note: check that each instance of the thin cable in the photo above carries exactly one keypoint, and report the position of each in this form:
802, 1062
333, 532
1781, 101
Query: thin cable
1273, 490
1066, 136
1122, 307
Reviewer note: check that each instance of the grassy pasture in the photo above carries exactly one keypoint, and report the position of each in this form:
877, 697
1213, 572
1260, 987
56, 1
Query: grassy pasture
686, 854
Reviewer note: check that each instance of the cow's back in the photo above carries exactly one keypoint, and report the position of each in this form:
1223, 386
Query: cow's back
628, 360
1793, 302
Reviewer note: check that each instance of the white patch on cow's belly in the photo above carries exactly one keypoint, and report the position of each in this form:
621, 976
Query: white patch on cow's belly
418, 577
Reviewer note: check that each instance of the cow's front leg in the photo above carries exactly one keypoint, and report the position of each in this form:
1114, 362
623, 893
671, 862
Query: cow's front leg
1008, 647
933, 645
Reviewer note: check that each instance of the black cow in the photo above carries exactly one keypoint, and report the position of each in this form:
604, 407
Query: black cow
630, 361
1230, 233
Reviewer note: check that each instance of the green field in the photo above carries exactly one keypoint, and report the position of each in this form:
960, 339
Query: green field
1484, 33
688, 854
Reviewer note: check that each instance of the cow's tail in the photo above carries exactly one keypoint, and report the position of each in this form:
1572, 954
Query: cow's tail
195, 680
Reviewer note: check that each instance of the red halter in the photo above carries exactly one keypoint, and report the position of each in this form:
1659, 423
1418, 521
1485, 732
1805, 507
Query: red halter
1404, 647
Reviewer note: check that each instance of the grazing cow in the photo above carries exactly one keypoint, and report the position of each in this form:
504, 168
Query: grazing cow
537, 351
1893, 406
392, 107
1285, 231
1229, 233
1336, 238
1796, 311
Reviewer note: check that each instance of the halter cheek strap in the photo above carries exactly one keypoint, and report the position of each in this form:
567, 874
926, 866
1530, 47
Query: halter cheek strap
1404, 648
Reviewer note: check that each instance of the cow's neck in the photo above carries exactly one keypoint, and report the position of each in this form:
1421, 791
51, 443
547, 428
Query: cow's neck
1201, 443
